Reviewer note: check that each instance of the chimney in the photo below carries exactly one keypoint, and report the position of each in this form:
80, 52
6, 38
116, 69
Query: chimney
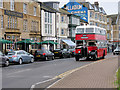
96, 4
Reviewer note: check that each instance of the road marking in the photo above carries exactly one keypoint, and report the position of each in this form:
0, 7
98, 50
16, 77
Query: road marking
33, 86
19, 72
63, 75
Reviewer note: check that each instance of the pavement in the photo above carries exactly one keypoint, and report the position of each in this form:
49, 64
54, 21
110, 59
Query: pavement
100, 74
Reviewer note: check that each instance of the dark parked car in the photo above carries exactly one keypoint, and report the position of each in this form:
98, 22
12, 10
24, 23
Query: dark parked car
61, 53
72, 52
4, 60
44, 55
20, 57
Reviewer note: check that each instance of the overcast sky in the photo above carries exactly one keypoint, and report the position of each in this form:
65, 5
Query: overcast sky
110, 6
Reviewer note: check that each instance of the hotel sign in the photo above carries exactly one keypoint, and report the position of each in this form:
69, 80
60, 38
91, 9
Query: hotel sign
12, 13
77, 9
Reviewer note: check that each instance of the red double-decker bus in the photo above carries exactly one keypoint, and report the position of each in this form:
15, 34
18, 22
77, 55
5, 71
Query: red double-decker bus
90, 42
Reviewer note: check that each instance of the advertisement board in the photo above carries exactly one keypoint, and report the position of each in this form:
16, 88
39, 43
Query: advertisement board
77, 9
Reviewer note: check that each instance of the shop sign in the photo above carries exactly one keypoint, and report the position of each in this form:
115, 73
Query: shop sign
12, 13
77, 9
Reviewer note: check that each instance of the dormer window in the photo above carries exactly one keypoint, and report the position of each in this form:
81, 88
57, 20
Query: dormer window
90, 6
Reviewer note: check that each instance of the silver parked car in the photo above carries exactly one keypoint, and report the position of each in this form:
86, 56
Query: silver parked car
116, 51
20, 57
4, 60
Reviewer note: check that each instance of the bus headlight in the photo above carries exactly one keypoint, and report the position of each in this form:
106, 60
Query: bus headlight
78, 51
89, 51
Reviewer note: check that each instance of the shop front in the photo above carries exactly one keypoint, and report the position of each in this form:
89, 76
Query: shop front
67, 44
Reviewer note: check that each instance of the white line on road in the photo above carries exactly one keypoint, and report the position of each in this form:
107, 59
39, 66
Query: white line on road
33, 86
19, 72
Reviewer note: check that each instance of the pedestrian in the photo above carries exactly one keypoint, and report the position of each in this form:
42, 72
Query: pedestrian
18, 48
11, 49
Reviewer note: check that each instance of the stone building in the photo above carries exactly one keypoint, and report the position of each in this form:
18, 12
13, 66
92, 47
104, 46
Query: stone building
116, 29
20, 21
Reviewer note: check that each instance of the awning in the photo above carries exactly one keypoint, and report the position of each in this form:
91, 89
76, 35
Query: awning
69, 42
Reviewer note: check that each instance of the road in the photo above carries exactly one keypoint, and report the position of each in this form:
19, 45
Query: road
24, 76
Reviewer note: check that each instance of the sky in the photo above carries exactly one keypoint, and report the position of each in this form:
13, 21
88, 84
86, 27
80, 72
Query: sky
110, 6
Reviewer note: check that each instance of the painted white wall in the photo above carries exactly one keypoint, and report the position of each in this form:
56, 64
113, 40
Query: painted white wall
43, 24
119, 7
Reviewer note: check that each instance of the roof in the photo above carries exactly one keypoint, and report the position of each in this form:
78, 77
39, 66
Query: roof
47, 8
114, 18
64, 11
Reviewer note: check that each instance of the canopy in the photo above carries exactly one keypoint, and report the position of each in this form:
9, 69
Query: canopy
28, 41
69, 42
48, 42
5, 41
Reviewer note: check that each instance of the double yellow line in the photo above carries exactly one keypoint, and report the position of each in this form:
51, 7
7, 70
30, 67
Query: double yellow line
73, 70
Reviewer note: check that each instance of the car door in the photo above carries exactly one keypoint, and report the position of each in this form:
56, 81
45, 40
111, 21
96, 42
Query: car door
26, 56
22, 55
1, 58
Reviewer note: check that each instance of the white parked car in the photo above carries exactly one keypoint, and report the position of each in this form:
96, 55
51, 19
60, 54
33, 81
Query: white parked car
116, 51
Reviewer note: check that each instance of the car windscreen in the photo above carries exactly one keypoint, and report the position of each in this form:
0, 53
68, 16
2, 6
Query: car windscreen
42, 51
57, 50
11, 53
71, 49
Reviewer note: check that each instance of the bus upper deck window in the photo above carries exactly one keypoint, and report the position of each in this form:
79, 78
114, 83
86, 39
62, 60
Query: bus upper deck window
89, 30
80, 30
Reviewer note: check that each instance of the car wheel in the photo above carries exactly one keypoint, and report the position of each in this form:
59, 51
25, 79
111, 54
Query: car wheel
7, 63
103, 55
20, 61
32, 60
77, 58
113, 53
95, 57
53, 58
46, 58
63, 55
70, 56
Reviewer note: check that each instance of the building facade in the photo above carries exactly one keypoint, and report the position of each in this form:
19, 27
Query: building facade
116, 29
74, 21
19, 21
62, 25
48, 25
